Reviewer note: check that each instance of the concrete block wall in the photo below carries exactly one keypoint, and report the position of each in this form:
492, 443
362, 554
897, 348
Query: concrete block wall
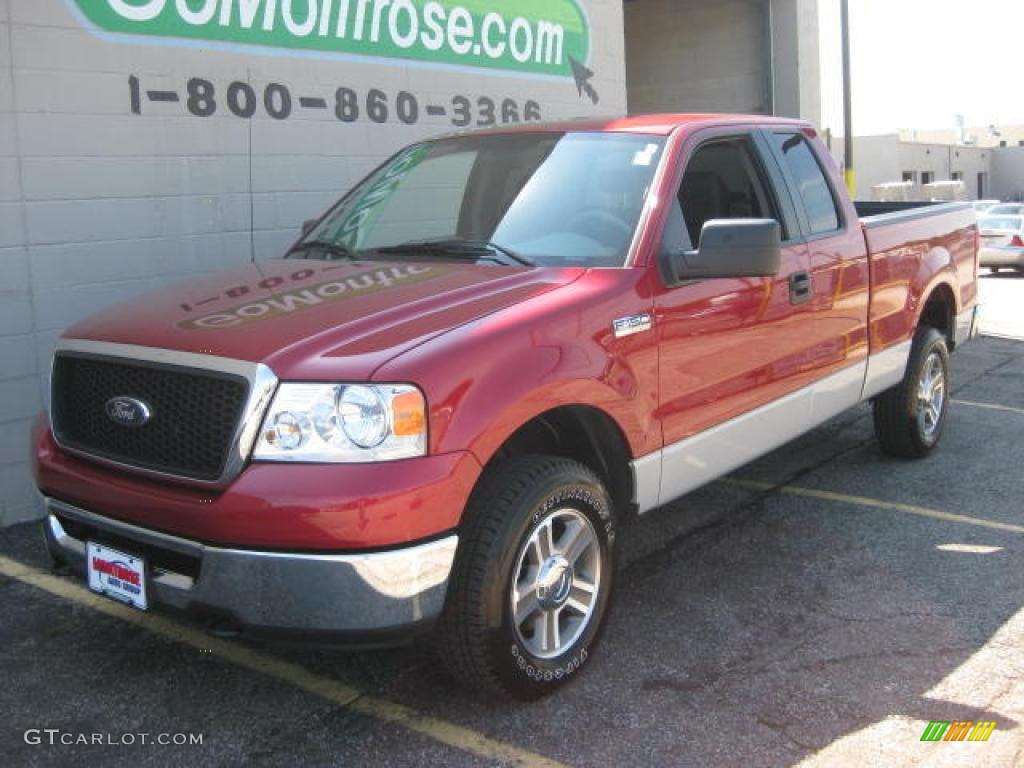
20, 391
746, 56
98, 203
697, 55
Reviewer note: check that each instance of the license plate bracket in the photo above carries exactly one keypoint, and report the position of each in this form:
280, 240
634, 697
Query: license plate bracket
118, 575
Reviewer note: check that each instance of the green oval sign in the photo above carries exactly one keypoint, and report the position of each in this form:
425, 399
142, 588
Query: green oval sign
548, 37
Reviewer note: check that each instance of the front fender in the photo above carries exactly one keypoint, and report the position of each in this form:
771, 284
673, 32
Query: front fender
486, 379
507, 418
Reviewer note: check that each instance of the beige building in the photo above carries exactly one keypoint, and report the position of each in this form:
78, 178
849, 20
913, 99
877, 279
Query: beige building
988, 171
985, 136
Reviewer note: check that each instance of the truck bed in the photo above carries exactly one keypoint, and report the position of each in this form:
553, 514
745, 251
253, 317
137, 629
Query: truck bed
901, 238
874, 214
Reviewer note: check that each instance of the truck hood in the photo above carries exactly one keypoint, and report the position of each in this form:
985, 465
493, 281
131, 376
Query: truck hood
323, 320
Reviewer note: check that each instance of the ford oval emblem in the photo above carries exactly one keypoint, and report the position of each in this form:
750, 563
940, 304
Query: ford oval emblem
128, 411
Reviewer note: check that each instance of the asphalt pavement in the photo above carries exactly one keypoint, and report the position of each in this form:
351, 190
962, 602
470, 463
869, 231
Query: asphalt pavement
817, 607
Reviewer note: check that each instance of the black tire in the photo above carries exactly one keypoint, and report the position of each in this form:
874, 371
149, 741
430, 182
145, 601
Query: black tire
904, 425
477, 637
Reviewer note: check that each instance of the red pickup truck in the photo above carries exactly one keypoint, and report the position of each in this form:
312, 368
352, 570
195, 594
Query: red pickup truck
434, 411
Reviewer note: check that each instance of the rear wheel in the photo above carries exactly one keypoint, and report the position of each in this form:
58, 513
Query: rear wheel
533, 578
909, 418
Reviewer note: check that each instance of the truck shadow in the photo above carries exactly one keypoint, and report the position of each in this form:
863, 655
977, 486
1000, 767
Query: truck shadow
762, 638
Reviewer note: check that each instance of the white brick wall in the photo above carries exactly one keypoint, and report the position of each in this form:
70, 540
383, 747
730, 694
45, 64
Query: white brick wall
98, 204
19, 369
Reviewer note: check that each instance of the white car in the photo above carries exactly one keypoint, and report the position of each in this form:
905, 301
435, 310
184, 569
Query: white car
982, 206
1002, 242
1006, 209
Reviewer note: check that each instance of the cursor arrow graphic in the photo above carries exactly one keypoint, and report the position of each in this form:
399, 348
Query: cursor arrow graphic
582, 76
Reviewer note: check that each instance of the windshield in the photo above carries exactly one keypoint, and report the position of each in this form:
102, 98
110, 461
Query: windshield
1003, 223
552, 199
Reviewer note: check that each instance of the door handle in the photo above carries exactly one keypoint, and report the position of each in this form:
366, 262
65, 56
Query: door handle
799, 287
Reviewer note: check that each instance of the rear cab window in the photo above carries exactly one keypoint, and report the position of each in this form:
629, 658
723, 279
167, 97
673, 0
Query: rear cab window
809, 183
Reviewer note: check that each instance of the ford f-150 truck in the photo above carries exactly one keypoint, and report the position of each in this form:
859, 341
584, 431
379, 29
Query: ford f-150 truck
434, 412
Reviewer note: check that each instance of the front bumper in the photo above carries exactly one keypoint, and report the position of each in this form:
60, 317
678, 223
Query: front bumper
369, 596
326, 508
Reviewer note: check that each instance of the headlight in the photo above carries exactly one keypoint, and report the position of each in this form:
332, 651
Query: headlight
343, 423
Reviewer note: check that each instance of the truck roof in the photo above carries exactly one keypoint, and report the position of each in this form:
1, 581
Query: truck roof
658, 124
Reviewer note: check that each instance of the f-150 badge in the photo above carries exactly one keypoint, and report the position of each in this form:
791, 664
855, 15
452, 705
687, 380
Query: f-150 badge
627, 326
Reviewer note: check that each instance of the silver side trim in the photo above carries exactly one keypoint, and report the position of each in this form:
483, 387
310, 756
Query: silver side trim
886, 369
837, 393
966, 326
665, 475
283, 590
262, 385
646, 481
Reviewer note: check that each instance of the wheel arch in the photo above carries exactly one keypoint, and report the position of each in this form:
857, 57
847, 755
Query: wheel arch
584, 433
938, 310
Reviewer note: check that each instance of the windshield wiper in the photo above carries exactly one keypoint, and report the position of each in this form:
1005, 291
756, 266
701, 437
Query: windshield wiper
458, 247
335, 249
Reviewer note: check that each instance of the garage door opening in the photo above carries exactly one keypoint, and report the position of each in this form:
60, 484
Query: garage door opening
747, 56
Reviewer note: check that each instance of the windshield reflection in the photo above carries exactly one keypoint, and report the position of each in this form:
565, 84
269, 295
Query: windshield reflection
545, 198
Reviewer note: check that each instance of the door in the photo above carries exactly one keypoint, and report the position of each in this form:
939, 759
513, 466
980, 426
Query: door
837, 337
739, 357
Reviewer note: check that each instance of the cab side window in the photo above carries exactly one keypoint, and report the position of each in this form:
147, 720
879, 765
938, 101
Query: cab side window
723, 181
811, 184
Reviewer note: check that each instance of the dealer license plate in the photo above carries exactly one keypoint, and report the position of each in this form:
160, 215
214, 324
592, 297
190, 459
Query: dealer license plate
116, 574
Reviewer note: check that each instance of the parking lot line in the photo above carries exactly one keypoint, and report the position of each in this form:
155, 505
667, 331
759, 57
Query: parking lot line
457, 736
864, 501
990, 406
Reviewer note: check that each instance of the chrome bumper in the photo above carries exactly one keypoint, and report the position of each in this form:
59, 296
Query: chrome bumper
370, 594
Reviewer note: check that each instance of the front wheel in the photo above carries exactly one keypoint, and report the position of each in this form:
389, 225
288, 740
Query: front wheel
532, 580
909, 418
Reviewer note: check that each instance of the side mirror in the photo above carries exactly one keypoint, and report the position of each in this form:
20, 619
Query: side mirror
730, 248
309, 225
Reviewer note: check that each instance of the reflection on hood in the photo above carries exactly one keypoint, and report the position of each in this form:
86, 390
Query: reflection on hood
299, 299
